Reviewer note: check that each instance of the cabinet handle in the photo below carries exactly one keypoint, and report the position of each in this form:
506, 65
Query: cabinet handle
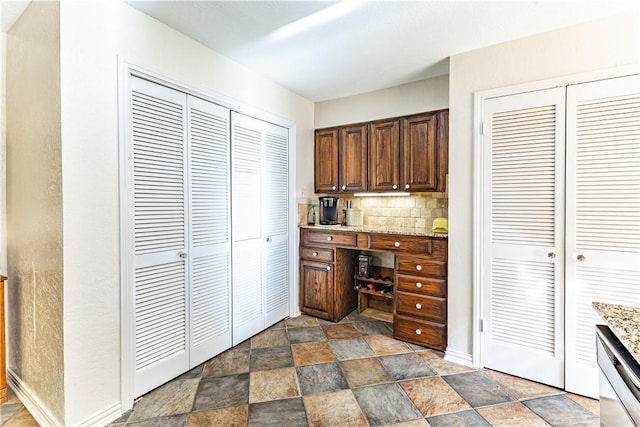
418, 267
396, 244
406, 186
581, 257
344, 187
418, 331
395, 187
333, 187
329, 238
315, 254
418, 285
328, 268
418, 306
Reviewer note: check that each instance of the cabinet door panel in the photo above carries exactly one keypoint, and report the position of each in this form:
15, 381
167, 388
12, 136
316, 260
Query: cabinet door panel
316, 290
326, 161
419, 153
384, 156
352, 158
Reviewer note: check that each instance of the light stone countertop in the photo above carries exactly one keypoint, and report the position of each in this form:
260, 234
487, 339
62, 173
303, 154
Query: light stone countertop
371, 229
624, 321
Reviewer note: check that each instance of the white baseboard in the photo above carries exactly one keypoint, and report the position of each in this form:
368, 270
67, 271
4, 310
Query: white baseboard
43, 415
40, 412
103, 417
459, 357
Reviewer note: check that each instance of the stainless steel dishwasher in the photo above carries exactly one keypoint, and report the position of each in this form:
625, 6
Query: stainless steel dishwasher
619, 381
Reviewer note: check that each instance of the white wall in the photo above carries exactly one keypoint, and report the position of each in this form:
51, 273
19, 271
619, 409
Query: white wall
3, 156
608, 43
93, 36
417, 97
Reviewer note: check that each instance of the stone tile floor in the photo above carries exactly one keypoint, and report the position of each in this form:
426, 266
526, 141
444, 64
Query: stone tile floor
308, 372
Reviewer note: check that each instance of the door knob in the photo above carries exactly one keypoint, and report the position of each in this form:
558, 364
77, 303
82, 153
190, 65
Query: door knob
418, 285
395, 187
329, 238
333, 187
396, 244
551, 255
418, 267
581, 257
418, 331
344, 187
315, 254
328, 268
268, 239
406, 186
182, 254
418, 306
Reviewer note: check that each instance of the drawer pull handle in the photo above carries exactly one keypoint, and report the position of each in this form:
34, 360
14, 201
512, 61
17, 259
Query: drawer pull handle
333, 187
328, 268
315, 254
396, 244
418, 267
418, 331
344, 187
407, 186
395, 187
329, 238
418, 306
418, 285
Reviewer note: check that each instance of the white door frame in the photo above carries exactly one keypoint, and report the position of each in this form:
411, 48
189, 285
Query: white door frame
126, 70
478, 172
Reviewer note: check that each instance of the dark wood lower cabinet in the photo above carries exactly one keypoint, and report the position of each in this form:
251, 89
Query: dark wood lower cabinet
326, 289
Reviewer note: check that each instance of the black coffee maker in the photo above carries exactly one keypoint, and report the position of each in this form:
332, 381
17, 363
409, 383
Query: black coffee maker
328, 210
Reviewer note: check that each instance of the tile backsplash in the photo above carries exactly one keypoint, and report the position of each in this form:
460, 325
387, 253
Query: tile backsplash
416, 211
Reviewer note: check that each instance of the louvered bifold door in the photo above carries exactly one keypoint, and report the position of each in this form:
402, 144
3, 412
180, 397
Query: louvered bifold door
209, 252
603, 214
523, 235
247, 187
276, 223
158, 153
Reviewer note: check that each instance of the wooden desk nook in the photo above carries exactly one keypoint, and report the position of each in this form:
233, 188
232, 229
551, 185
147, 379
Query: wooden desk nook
418, 308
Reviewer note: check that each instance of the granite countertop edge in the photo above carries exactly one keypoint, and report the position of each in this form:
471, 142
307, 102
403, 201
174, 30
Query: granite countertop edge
624, 322
382, 230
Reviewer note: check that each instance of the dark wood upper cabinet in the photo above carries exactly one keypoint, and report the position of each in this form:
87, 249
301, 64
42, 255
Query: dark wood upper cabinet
384, 155
408, 153
352, 158
419, 155
326, 177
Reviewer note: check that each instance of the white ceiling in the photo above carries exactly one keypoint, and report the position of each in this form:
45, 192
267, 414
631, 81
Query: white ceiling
371, 45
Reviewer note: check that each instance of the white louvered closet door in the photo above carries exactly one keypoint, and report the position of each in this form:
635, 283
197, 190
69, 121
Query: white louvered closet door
603, 214
158, 136
247, 190
276, 209
522, 249
209, 252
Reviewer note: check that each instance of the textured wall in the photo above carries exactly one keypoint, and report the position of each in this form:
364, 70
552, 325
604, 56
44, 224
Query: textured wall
34, 204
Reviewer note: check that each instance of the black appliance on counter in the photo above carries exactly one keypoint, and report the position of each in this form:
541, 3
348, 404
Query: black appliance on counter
619, 381
328, 210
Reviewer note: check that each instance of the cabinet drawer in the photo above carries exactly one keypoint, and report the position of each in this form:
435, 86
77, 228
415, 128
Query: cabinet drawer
316, 254
424, 333
422, 285
424, 307
421, 266
329, 238
400, 243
